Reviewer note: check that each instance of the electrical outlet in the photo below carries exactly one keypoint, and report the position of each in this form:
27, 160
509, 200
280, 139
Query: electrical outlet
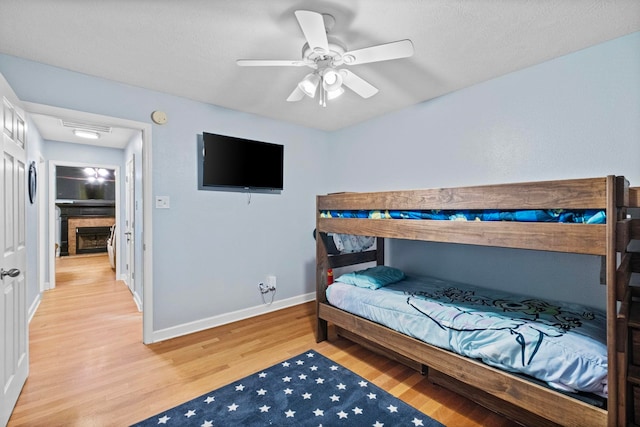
271, 283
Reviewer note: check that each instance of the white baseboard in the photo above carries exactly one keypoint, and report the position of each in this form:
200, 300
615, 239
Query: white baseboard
223, 319
34, 306
138, 301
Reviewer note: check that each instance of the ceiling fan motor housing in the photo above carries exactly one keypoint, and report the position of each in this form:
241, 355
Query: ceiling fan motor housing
334, 54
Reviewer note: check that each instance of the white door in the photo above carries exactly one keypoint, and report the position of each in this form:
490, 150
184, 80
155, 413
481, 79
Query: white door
14, 332
129, 223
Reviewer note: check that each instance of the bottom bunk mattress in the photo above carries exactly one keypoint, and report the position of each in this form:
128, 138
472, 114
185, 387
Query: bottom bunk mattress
561, 344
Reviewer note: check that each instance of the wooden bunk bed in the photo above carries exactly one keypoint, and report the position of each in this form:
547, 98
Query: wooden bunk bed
514, 396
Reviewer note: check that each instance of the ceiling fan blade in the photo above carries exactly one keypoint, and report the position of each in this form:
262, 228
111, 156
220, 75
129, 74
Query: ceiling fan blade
270, 63
312, 25
382, 52
357, 84
296, 95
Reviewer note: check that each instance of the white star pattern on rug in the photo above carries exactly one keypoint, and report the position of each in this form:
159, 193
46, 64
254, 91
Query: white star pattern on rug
307, 394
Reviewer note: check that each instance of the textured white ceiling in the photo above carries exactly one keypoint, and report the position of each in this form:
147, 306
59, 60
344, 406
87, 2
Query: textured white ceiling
189, 47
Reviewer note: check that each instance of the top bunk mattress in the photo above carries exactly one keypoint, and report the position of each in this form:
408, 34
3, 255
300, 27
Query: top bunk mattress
561, 344
575, 216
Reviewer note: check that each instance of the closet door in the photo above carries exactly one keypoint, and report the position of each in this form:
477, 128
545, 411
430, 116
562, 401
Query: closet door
14, 332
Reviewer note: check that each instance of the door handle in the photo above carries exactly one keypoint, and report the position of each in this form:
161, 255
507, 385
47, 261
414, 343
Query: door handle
11, 273
128, 233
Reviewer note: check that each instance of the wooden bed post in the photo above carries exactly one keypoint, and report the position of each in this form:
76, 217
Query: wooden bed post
379, 251
321, 279
612, 300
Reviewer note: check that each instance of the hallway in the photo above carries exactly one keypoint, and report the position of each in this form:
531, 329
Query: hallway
79, 336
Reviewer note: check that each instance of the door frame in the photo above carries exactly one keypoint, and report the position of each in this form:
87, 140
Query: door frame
130, 215
42, 227
53, 227
146, 186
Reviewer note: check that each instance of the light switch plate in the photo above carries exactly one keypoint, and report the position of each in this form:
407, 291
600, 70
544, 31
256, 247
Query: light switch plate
162, 202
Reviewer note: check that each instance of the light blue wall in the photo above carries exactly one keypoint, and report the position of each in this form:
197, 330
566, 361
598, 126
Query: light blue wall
211, 249
573, 117
34, 152
576, 116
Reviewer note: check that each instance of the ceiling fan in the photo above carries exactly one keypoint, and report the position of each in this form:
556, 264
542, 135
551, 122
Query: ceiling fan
325, 54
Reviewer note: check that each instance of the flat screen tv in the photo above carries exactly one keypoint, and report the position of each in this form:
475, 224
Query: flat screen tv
237, 163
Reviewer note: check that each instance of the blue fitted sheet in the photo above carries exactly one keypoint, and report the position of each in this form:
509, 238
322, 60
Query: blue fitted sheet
585, 216
560, 343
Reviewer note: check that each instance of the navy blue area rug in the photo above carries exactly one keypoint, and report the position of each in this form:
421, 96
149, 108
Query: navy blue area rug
306, 390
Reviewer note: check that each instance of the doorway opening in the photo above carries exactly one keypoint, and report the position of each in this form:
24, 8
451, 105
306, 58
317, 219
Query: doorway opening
138, 146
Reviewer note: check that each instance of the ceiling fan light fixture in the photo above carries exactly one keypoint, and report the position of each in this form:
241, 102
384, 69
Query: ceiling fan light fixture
309, 85
331, 80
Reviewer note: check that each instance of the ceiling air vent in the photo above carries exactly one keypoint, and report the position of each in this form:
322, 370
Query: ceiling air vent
86, 126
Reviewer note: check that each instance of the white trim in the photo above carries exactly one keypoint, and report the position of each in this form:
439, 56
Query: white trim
51, 208
234, 316
146, 240
42, 241
137, 300
34, 307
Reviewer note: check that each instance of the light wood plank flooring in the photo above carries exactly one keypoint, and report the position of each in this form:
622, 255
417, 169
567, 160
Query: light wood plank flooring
90, 368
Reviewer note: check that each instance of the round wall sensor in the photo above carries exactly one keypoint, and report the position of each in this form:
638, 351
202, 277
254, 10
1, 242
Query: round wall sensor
159, 117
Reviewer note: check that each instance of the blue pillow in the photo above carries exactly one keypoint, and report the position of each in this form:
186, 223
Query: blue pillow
373, 278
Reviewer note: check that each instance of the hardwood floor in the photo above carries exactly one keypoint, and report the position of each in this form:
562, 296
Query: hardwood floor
90, 368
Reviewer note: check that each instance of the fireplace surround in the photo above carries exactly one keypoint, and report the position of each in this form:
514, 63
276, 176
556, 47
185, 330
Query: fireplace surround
81, 215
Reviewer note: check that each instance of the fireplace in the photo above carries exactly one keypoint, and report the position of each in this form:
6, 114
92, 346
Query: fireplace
79, 215
90, 240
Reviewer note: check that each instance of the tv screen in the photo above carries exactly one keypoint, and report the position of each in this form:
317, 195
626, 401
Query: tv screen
237, 162
85, 183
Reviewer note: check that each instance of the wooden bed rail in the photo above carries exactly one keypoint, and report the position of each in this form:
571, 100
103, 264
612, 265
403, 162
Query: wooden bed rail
569, 194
